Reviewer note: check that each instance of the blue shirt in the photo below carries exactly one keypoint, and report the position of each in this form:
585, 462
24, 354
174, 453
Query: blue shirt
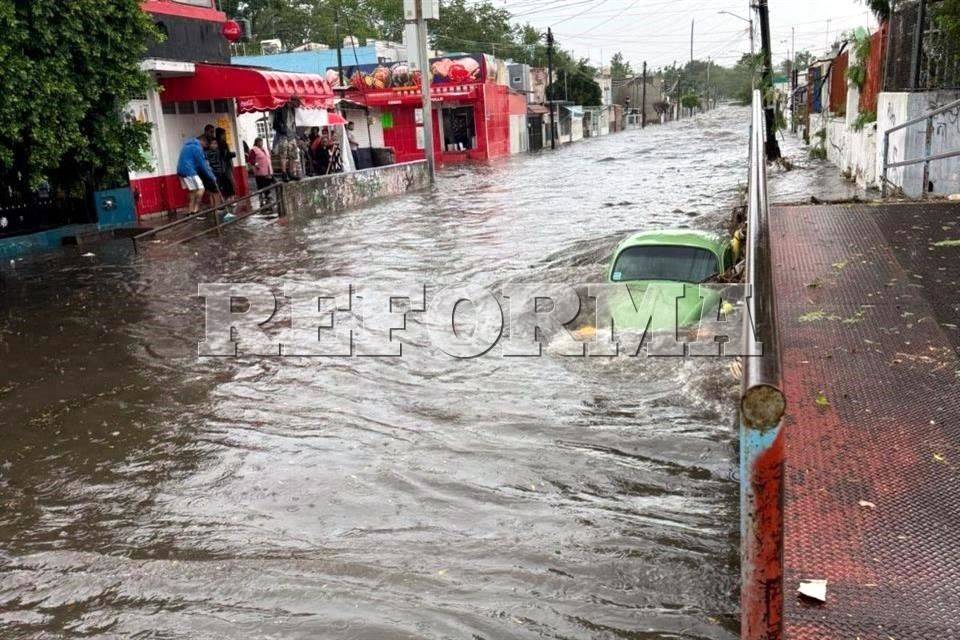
192, 161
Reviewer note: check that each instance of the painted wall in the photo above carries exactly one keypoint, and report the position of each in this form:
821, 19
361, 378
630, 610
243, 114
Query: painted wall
894, 108
315, 197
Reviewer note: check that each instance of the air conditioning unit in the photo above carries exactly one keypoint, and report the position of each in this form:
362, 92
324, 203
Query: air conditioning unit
271, 47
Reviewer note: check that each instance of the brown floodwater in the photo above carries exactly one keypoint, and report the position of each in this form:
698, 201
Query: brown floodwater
146, 493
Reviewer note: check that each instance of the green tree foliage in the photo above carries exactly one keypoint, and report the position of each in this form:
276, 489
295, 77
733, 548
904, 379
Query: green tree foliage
577, 85
947, 16
68, 70
880, 8
620, 69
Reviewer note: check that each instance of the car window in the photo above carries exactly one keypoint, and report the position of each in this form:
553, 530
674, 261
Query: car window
679, 264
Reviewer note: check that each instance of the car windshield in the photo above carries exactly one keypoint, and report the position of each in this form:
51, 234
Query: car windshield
678, 264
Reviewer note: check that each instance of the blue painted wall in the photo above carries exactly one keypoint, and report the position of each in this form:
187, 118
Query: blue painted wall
310, 61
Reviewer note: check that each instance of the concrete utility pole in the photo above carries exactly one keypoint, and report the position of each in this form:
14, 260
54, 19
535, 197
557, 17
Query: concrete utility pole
691, 40
554, 121
643, 103
773, 148
709, 63
428, 149
336, 31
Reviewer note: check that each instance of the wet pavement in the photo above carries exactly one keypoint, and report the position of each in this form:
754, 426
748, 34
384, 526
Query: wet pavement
146, 493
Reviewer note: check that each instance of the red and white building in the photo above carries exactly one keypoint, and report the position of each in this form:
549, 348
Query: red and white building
197, 86
476, 116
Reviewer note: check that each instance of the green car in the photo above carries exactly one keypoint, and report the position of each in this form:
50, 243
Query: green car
662, 271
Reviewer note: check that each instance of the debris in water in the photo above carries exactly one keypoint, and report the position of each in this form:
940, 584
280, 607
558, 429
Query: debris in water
89, 255
867, 505
814, 589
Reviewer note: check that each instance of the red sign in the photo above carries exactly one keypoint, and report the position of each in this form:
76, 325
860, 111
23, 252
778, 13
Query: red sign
232, 30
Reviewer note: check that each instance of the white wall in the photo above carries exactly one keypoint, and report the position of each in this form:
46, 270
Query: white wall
910, 143
365, 136
519, 136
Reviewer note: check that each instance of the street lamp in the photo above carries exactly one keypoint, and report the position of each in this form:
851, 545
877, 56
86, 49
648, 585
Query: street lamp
748, 21
753, 52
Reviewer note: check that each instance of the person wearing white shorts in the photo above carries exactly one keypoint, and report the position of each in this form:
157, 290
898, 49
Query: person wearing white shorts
192, 168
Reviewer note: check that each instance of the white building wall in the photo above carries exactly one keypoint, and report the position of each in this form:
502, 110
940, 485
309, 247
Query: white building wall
519, 136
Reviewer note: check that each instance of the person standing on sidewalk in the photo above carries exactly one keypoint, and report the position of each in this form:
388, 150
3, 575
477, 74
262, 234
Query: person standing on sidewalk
194, 171
225, 175
262, 164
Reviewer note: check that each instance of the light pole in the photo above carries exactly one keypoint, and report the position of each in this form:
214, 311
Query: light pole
753, 48
748, 21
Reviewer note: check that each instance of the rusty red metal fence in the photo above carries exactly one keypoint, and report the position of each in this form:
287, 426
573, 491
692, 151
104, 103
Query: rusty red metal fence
873, 84
838, 84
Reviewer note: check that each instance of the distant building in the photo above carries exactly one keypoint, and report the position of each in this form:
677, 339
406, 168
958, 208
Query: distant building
630, 95
605, 80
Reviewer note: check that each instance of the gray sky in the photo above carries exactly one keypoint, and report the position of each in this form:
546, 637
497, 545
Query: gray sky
658, 31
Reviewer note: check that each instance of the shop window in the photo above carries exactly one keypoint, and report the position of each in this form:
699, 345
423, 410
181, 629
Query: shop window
204, 106
186, 108
221, 106
263, 128
169, 108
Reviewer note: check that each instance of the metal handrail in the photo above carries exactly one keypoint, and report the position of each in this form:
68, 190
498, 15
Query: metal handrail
276, 204
762, 406
762, 400
928, 158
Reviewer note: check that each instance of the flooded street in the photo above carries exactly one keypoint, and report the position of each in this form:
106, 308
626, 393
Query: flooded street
146, 493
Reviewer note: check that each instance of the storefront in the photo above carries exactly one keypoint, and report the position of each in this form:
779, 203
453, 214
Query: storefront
475, 116
195, 95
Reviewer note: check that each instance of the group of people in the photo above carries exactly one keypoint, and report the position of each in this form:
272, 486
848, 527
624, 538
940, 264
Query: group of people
205, 166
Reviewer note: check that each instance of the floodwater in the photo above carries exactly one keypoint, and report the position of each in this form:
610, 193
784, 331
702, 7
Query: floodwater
145, 493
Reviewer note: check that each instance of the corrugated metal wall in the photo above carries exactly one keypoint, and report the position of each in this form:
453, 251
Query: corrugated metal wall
838, 84
870, 91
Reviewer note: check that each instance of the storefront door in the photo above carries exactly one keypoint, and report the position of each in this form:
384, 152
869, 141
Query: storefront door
459, 132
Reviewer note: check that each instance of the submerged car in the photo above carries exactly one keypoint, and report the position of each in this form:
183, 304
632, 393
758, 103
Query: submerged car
662, 271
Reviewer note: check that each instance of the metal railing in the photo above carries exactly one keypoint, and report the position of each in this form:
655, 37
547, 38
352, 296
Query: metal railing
762, 406
928, 157
270, 201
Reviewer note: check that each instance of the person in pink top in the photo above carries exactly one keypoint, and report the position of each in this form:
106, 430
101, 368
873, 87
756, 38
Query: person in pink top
262, 164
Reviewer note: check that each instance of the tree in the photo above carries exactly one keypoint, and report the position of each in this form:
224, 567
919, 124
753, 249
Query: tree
880, 8
576, 84
69, 68
620, 69
947, 16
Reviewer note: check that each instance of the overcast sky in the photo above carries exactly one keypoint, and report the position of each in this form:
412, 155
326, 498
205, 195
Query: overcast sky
658, 31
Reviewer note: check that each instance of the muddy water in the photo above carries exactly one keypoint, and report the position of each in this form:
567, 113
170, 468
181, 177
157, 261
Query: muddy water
145, 493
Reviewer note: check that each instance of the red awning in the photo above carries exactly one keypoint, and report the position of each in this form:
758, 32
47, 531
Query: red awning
254, 89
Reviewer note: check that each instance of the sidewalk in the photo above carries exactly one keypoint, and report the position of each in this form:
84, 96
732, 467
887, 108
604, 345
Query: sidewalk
867, 312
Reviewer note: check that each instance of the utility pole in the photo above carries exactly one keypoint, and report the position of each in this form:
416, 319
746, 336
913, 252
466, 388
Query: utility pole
643, 99
709, 63
691, 40
336, 31
553, 111
428, 149
773, 148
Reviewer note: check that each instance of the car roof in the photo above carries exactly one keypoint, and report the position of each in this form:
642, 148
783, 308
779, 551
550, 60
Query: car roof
676, 238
